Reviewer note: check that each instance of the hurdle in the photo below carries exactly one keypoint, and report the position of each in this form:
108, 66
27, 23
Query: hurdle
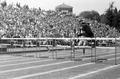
72, 48
115, 49
50, 48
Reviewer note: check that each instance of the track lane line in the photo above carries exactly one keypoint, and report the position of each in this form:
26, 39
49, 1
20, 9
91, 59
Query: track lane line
38, 61
33, 58
94, 72
102, 56
11, 58
51, 71
113, 58
19, 60
35, 61
40, 66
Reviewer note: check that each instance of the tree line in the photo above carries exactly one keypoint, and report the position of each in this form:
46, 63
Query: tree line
110, 17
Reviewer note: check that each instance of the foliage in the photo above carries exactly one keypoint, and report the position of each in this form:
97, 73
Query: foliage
18, 5
111, 17
92, 15
3, 4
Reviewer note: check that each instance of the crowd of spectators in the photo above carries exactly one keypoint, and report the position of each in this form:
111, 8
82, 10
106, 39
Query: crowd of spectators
33, 23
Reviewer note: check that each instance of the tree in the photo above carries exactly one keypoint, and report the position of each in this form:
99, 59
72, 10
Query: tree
103, 19
111, 16
115, 19
18, 5
118, 20
93, 15
3, 4
26, 7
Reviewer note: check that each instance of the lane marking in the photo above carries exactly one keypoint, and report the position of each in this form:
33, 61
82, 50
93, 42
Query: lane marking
106, 47
113, 58
94, 72
103, 56
10, 58
33, 58
48, 72
18, 60
19, 69
107, 55
34, 61
1, 56
100, 55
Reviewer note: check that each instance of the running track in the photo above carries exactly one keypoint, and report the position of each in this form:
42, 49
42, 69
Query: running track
18, 67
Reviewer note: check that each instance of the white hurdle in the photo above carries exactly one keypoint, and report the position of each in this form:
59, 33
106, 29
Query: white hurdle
72, 46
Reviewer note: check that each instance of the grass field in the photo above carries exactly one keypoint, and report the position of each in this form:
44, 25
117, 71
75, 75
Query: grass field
41, 65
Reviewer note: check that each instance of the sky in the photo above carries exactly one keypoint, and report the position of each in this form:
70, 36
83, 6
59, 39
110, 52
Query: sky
78, 5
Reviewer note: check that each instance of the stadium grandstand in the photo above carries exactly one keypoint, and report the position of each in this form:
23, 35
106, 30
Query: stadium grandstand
40, 44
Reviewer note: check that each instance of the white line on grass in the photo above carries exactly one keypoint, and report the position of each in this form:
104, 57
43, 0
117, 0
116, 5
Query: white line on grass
48, 72
35, 61
94, 72
19, 69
